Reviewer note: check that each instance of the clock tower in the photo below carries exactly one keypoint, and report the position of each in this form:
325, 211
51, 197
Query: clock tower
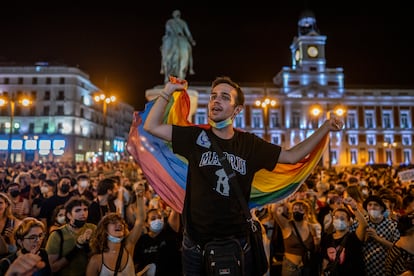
308, 75
308, 48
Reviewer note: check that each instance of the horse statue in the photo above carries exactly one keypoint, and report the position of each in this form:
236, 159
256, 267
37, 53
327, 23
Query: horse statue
176, 49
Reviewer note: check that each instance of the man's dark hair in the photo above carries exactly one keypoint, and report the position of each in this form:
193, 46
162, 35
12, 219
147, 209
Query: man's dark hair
104, 185
227, 80
75, 201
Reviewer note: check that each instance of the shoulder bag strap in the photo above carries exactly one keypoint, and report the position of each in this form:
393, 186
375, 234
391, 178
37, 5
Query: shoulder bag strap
232, 179
118, 261
298, 234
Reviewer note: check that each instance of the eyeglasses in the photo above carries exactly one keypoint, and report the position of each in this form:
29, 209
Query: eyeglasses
35, 238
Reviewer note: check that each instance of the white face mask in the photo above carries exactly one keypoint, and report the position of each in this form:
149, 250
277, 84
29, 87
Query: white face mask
84, 184
61, 219
156, 225
375, 214
44, 189
339, 225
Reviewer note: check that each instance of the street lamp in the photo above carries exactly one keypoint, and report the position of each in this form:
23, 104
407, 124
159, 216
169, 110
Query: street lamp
105, 101
266, 103
5, 99
316, 111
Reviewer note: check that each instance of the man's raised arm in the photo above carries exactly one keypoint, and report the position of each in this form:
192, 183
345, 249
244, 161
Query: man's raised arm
153, 123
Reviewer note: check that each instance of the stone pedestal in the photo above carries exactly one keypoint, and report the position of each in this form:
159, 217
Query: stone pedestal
193, 94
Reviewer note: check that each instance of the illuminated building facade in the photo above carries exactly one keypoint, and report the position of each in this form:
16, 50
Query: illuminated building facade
379, 122
63, 122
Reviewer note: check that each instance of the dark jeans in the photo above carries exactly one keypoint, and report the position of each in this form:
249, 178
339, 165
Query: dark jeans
192, 257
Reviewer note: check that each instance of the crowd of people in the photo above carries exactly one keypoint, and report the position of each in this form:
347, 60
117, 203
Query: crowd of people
49, 219
85, 219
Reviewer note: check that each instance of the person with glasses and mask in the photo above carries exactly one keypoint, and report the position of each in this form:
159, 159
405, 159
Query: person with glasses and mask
68, 246
29, 236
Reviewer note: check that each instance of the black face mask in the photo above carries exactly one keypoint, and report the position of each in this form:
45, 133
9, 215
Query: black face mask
78, 223
298, 216
14, 193
65, 188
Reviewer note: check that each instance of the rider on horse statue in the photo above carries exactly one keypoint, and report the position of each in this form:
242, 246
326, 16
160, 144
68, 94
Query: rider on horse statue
176, 48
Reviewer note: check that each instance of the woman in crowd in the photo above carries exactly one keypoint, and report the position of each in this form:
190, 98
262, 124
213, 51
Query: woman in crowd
29, 236
344, 245
58, 217
8, 222
113, 240
297, 257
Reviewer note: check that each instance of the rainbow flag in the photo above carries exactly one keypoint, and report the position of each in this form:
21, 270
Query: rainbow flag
166, 172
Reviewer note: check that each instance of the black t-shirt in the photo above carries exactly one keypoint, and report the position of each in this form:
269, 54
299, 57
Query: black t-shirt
211, 208
162, 250
351, 260
97, 211
49, 204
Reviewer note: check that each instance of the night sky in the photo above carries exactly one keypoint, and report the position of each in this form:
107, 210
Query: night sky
118, 44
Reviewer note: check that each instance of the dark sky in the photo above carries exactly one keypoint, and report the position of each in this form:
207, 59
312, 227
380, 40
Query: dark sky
117, 44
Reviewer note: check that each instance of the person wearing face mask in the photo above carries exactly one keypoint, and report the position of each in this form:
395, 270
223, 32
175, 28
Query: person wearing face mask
59, 218
381, 233
296, 260
112, 239
61, 197
68, 246
159, 246
20, 205
347, 244
82, 187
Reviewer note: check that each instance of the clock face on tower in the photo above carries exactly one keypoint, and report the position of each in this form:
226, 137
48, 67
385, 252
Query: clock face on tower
312, 51
297, 55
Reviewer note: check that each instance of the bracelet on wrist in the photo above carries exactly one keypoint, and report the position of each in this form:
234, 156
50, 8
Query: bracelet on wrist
164, 96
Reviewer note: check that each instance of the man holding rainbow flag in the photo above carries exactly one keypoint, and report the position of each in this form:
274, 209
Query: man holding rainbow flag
176, 158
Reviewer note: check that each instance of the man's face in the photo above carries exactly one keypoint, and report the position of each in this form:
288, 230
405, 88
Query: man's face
222, 102
79, 213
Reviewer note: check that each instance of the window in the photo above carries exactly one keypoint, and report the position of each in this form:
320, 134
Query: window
275, 139
371, 140
34, 80
371, 156
82, 113
334, 157
45, 127
388, 139
351, 116
386, 120
61, 96
354, 157
62, 80
20, 80
404, 119
369, 119
407, 156
353, 140
48, 80
239, 120
60, 110
46, 110
274, 118
201, 117
257, 118
31, 127
295, 119
406, 140
47, 96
